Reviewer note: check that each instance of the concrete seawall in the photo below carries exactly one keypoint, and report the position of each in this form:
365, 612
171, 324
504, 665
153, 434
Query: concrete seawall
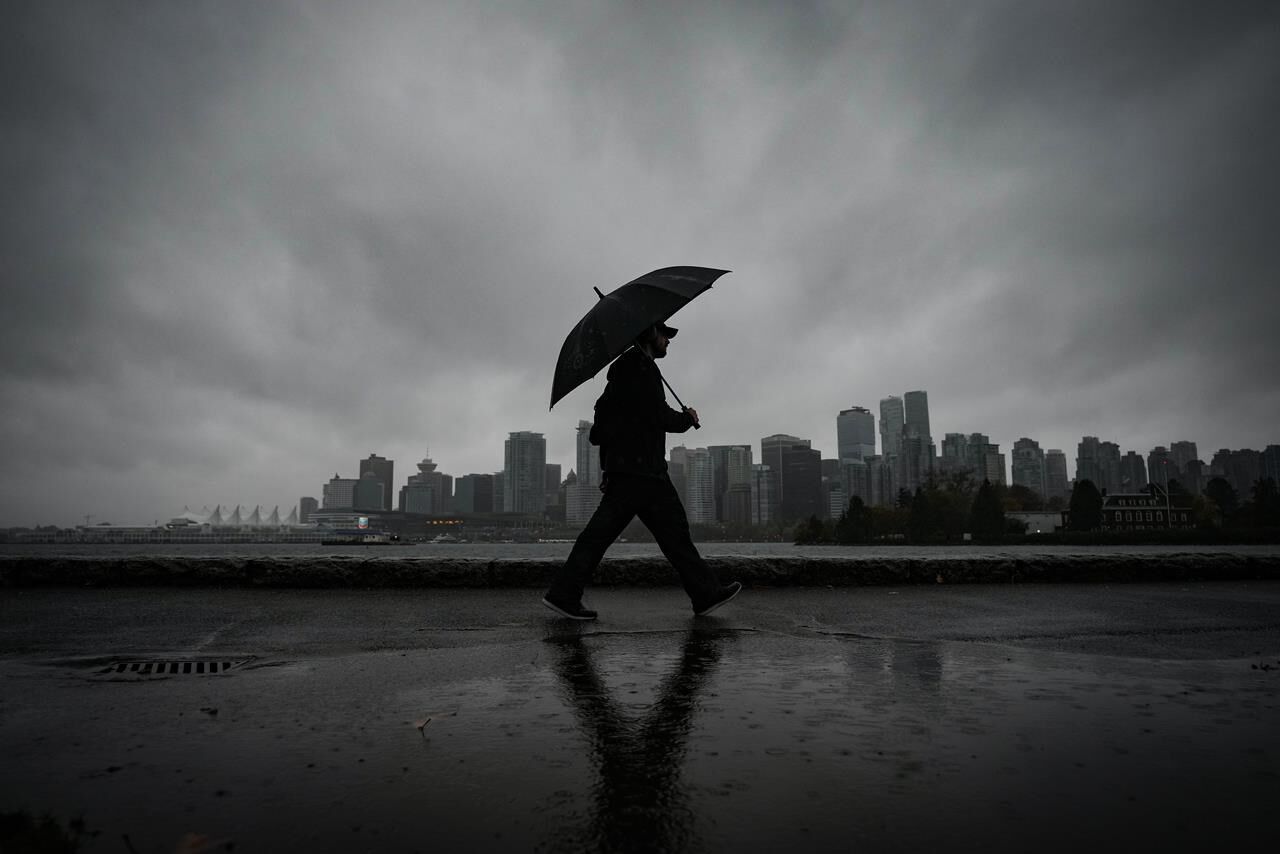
387, 571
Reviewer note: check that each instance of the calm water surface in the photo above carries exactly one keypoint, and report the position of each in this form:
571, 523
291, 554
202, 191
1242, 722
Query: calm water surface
561, 550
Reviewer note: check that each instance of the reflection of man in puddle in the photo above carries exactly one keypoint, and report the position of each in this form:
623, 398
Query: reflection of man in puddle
640, 803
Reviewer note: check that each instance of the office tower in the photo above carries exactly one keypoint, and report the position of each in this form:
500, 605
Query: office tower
1183, 453
306, 506
582, 497
429, 492
1160, 467
1133, 473
955, 454
339, 493
524, 472
855, 433
764, 498
1028, 466
1194, 477
798, 470
473, 493
994, 468
1108, 467
369, 493
892, 419
383, 469
731, 466
677, 465
551, 486
855, 479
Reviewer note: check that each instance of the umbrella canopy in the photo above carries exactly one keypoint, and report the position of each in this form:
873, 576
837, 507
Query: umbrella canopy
617, 318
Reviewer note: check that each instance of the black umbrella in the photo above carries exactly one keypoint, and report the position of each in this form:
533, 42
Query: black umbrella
612, 324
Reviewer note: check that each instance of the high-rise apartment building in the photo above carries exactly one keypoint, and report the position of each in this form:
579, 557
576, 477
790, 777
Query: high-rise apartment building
1029, 467
1160, 467
1271, 463
524, 473
582, 497
916, 411
892, 418
855, 433
383, 469
1133, 473
1183, 454
764, 498
731, 466
699, 487
1055, 474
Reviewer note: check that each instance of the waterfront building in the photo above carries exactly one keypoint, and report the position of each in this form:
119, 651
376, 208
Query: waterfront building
892, 420
855, 433
524, 473
731, 466
429, 492
306, 506
473, 493
1055, 474
798, 469
383, 470
1029, 467
339, 493
1143, 512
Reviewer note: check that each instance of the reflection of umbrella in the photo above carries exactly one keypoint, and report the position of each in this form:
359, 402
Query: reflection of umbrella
617, 318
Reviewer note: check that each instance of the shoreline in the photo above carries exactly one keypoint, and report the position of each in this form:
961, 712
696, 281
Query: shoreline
361, 571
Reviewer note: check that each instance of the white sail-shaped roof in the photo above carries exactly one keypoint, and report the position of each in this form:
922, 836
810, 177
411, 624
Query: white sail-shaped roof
235, 519
255, 518
215, 518
293, 517
274, 519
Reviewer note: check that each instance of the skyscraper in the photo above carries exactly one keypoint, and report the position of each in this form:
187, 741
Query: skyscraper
1160, 467
1087, 463
1184, 453
731, 465
916, 463
855, 433
473, 493
339, 493
916, 409
1028, 466
764, 498
892, 418
1271, 463
798, 470
383, 469
1133, 473
428, 492
1055, 475
699, 498
582, 497
524, 472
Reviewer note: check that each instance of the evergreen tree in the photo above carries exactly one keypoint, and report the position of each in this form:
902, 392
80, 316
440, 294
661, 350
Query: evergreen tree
986, 519
1266, 504
1085, 506
855, 523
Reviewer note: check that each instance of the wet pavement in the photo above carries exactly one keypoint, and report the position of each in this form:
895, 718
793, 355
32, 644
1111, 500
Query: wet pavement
999, 718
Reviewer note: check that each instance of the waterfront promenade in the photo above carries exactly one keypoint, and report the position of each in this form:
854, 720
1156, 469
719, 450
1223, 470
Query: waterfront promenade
1049, 717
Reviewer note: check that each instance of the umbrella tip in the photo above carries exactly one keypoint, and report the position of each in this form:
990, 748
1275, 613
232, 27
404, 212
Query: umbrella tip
597, 290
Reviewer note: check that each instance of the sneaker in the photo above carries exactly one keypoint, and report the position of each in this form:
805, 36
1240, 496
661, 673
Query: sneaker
726, 595
573, 611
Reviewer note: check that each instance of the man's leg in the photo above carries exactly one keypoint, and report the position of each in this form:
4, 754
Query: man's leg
664, 515
615, 512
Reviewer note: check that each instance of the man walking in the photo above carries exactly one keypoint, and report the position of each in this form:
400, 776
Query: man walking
632, 420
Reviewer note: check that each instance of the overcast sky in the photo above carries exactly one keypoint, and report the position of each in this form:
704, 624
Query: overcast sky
247, 244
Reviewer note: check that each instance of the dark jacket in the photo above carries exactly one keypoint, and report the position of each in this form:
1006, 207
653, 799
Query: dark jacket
633, 418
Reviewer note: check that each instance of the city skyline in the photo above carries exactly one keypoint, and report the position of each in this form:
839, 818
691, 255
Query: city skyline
248, 245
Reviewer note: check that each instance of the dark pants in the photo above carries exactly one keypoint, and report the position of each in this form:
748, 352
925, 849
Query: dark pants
655, 501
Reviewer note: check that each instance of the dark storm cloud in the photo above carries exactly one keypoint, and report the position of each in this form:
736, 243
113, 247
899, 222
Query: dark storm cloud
247, 244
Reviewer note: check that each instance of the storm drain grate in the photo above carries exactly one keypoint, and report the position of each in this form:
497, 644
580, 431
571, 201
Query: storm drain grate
172, 667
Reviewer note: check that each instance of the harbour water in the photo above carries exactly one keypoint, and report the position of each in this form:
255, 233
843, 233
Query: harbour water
560, 550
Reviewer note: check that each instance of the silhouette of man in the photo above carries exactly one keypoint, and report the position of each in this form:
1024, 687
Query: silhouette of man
632, 420
640, 801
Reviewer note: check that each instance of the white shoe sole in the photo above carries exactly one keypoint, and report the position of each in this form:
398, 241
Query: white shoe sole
564, 613
725, 601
